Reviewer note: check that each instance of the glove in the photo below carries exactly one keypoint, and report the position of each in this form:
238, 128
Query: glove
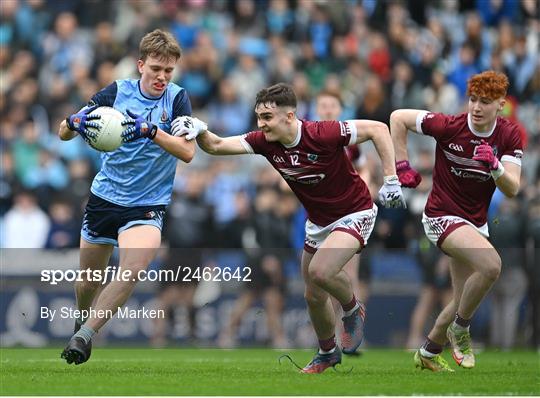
408, 176
189, 126
484, 154
139, 128
80, 122
390, 194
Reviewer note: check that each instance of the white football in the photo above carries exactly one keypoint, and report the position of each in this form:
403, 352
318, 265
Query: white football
109, 134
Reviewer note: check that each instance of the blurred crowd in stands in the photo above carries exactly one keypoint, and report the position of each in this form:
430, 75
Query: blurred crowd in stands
379, 55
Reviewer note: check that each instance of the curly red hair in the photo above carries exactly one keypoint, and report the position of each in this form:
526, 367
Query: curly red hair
488, 84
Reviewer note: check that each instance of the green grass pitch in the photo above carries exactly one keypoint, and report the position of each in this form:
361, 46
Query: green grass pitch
127, 371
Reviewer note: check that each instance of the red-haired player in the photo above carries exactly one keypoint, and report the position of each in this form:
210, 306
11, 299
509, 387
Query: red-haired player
476, 152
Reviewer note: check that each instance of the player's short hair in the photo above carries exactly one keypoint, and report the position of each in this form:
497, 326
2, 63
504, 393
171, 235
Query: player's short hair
282, 94
159, 44
331, 93
488, 84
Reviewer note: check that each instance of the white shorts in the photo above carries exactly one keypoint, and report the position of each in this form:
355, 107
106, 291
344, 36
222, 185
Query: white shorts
438, 228
358, 224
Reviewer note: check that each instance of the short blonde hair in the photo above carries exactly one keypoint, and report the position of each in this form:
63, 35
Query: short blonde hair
159, 44
488, 84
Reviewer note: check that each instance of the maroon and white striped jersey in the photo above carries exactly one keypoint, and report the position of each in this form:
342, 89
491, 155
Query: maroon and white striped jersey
317, 168
462, 186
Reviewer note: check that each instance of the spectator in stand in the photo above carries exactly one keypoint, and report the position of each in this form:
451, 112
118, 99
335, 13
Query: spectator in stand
229, 111
24, 213
64, 229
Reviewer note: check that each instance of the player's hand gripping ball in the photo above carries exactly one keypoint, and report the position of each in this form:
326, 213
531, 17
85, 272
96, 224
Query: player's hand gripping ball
81, 121
138, 127
101, 127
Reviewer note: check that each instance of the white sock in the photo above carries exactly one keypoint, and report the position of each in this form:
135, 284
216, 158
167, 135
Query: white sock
321, 351
349, 313
426, 353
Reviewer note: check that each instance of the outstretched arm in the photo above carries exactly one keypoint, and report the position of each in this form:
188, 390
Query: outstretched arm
215, 145
191, 127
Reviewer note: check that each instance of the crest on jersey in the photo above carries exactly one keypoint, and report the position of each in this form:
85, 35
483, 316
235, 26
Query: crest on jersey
312, 157
164, 116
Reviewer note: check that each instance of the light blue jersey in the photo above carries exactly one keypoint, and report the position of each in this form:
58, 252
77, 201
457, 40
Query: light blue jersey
140, 172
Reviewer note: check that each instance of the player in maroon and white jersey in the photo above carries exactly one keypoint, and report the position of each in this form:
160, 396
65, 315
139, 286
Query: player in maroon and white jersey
310, 157
476, 152
328, 106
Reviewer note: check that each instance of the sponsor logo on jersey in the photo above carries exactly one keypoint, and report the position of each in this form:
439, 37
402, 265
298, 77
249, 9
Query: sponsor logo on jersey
301, 175
309, 179
456, 147
470, 173
475, 142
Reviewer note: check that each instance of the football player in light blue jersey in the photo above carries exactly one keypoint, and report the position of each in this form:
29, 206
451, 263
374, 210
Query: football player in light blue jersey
129, 194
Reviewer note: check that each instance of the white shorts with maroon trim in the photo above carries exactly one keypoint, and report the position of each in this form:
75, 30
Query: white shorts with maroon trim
358, 224
438, 228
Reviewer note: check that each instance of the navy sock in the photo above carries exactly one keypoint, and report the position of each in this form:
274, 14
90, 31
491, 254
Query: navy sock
464, 323
432, 347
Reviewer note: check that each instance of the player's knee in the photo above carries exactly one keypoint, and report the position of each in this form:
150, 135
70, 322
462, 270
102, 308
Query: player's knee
493, 269
318, 276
